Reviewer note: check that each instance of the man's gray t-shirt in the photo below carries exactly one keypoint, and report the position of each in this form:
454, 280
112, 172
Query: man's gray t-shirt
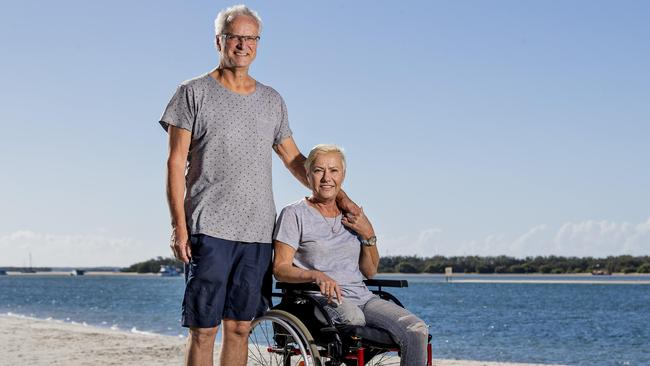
229, 192
323, 244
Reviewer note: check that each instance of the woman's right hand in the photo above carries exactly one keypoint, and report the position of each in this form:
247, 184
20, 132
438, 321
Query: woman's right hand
360, 224
328, 287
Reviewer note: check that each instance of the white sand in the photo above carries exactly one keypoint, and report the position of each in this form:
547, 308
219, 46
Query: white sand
28, 341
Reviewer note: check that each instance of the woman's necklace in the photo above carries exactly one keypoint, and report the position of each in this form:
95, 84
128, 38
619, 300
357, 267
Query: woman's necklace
332, 225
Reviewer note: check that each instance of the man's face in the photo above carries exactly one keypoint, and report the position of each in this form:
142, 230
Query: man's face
237, 51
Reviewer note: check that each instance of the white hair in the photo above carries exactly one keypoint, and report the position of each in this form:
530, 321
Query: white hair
323, 149
229, 14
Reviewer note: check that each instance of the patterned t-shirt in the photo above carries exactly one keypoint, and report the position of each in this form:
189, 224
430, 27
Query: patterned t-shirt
229, 191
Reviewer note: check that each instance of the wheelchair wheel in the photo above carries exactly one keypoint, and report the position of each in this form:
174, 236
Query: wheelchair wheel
385, 359
381, 359
279, 338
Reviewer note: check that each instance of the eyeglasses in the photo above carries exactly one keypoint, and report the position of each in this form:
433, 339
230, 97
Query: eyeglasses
248, 40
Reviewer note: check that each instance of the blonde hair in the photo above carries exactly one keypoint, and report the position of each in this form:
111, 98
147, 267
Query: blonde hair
323, 149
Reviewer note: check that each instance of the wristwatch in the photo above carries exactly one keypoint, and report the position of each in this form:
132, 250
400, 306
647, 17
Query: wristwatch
372, 241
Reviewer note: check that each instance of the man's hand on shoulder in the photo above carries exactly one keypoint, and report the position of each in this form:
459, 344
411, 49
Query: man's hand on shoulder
349, 208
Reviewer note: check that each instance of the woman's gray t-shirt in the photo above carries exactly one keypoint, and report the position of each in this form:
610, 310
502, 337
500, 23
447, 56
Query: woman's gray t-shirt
325, 245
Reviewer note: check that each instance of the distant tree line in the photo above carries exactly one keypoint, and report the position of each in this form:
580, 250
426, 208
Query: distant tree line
471, 264
23, 269
153, 265
504, 264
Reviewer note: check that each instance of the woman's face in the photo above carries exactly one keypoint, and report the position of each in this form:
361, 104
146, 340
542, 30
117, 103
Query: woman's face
326, 176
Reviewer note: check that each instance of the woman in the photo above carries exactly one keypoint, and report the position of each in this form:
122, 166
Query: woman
314, 242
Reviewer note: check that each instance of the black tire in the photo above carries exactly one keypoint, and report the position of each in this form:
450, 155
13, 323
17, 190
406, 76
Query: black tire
385, 359
279, 338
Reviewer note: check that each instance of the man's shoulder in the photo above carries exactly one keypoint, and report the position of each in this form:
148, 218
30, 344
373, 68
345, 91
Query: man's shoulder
197, 82
268, 90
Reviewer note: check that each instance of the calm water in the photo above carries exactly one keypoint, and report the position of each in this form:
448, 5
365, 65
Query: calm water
575, 324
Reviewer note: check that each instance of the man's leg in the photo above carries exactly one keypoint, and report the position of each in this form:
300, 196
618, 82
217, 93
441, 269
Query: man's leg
205, 294
243, 300
234, 349
200, 347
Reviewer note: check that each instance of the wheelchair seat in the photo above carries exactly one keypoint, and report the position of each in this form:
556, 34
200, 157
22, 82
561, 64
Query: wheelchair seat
371, 336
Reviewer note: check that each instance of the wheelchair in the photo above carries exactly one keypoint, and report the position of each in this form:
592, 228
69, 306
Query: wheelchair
299, 332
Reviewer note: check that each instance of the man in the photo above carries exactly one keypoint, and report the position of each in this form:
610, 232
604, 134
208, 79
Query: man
221, 127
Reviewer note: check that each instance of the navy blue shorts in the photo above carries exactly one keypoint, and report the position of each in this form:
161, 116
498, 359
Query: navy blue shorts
226, 280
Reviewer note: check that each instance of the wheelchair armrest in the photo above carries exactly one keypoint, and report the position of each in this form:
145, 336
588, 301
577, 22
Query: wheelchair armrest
387, 283
306, 286
310, 286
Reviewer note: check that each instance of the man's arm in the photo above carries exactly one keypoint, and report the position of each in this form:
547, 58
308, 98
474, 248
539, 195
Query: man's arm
179, 144
294, 160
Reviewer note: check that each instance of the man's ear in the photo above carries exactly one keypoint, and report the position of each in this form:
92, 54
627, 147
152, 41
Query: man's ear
217, 42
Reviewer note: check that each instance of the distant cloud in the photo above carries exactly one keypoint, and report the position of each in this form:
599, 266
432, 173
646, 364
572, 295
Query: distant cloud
581, 239
604, 237
426, 241
55, 250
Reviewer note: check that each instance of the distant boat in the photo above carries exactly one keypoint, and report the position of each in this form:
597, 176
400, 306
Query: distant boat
30, 269
3, 272
600, 272
77, 272
168, 271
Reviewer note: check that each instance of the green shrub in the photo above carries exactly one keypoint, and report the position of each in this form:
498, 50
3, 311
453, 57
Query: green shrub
644, 268
545, 268
406, 267
434, 268
153, 265
484, 268
501, 269
517, 268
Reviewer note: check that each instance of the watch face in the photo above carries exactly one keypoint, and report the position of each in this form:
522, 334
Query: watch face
371, 241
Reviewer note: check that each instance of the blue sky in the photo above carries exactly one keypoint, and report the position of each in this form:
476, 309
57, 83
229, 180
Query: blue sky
504, 127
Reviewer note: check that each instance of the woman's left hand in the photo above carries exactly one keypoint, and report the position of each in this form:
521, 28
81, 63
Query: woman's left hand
359, 223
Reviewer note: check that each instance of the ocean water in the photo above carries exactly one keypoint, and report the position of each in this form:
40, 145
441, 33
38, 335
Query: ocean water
573, 324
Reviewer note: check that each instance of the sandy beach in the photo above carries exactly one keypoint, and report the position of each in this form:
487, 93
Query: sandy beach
28, 341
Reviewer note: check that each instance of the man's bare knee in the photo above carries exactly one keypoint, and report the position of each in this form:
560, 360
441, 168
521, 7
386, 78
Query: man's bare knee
203, 336
236, 328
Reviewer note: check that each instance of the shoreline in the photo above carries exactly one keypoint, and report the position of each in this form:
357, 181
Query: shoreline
535, 278
31, 341
382, 274
90, 273
506, 278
